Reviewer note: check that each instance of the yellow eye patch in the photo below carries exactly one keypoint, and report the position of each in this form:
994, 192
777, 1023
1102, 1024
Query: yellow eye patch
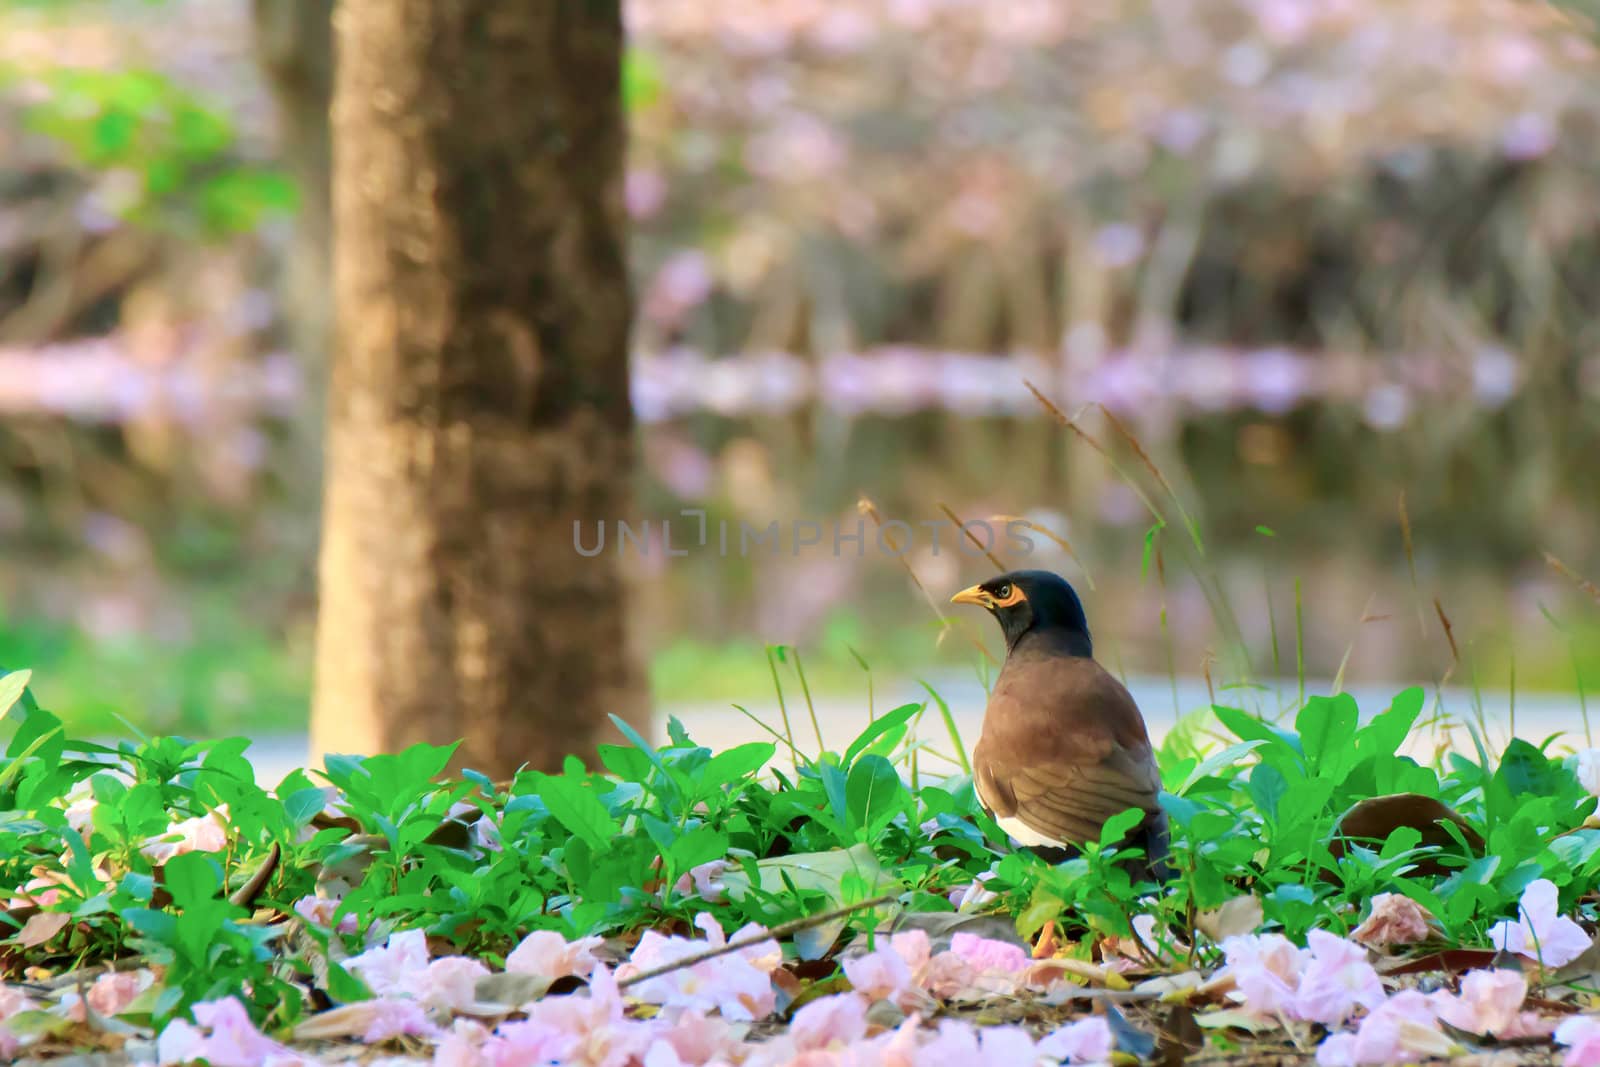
1013, 596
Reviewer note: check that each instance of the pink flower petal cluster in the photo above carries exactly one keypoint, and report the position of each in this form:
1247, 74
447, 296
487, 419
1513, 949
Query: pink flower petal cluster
1406, 1025
1395, 920
987, 954
546, 954
889, 971
223, 1036
974, 894
320, 911
1324, 983
111, 994
1541, 932
704, 880
203, 833
1402, 1028
738, 984
401, 968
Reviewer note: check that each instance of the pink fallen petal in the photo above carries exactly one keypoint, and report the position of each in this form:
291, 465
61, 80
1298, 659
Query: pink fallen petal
14, 1000
463, 1046
913, 947
1401, 1029
604, 1035
697, 1038
1265, 969
548, 955
518, 1043
203, 833
704, 880
946, 976
738, 984
1581, 1035
320, 910
959, 1044
881, 974
1395, 920
392, 968
224, 1037
1540, 932
1335, 981
987, 954
1081, 1041
111, 994
181, 1042
114, 993
1490, 1002
449, 983
833, 1021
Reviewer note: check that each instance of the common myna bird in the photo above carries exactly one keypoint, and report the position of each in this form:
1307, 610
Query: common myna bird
1063, 747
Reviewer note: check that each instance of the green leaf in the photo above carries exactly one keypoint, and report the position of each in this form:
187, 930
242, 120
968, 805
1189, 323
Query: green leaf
736, 764
1389, 728
576, 807
1527, 772
626, 762
874, 793
700, 845
12, 687
1217, 761
882, 725
191, 878
344, 987
1249, 727
1327, 729
302, 805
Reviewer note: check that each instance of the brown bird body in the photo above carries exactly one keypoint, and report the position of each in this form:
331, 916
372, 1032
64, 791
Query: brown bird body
1063, 747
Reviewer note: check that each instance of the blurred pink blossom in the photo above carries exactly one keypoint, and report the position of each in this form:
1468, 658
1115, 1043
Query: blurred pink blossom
738, 984
548, 955
987, 954
1539, 932
320, 911
203, 833
1402, 1028
222, 1035
830, 1022
1335, 981
1581, 1035
1490, 1002
1265, 969
1081, 1041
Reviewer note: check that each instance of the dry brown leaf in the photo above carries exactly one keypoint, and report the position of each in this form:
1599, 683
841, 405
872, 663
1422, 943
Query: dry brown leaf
42, 927
1238, 916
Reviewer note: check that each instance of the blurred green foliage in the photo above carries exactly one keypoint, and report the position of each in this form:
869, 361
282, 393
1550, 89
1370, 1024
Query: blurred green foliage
180, 150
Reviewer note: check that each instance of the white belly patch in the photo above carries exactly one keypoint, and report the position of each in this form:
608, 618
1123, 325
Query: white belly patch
1024, 834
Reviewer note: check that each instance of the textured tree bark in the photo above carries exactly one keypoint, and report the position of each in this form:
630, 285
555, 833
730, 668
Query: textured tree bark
479, 401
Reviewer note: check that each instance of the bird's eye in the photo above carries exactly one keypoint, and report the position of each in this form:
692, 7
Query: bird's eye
1004, 592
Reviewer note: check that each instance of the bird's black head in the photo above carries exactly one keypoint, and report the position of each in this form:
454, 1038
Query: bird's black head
1033, 602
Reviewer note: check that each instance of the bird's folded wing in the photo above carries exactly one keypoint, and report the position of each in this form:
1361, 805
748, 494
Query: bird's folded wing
1070, 802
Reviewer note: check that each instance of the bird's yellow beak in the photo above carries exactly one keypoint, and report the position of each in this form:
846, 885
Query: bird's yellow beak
975, 595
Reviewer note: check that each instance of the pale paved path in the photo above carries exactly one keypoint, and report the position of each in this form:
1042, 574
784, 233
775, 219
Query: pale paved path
1538, 715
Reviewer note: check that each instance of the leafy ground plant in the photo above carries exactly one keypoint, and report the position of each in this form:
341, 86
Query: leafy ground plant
1331, 898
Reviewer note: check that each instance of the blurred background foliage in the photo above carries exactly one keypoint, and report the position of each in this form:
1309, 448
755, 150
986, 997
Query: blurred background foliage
1315, 255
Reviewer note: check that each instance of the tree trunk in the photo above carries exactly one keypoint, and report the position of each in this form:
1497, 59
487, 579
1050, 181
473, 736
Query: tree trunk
479, 401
